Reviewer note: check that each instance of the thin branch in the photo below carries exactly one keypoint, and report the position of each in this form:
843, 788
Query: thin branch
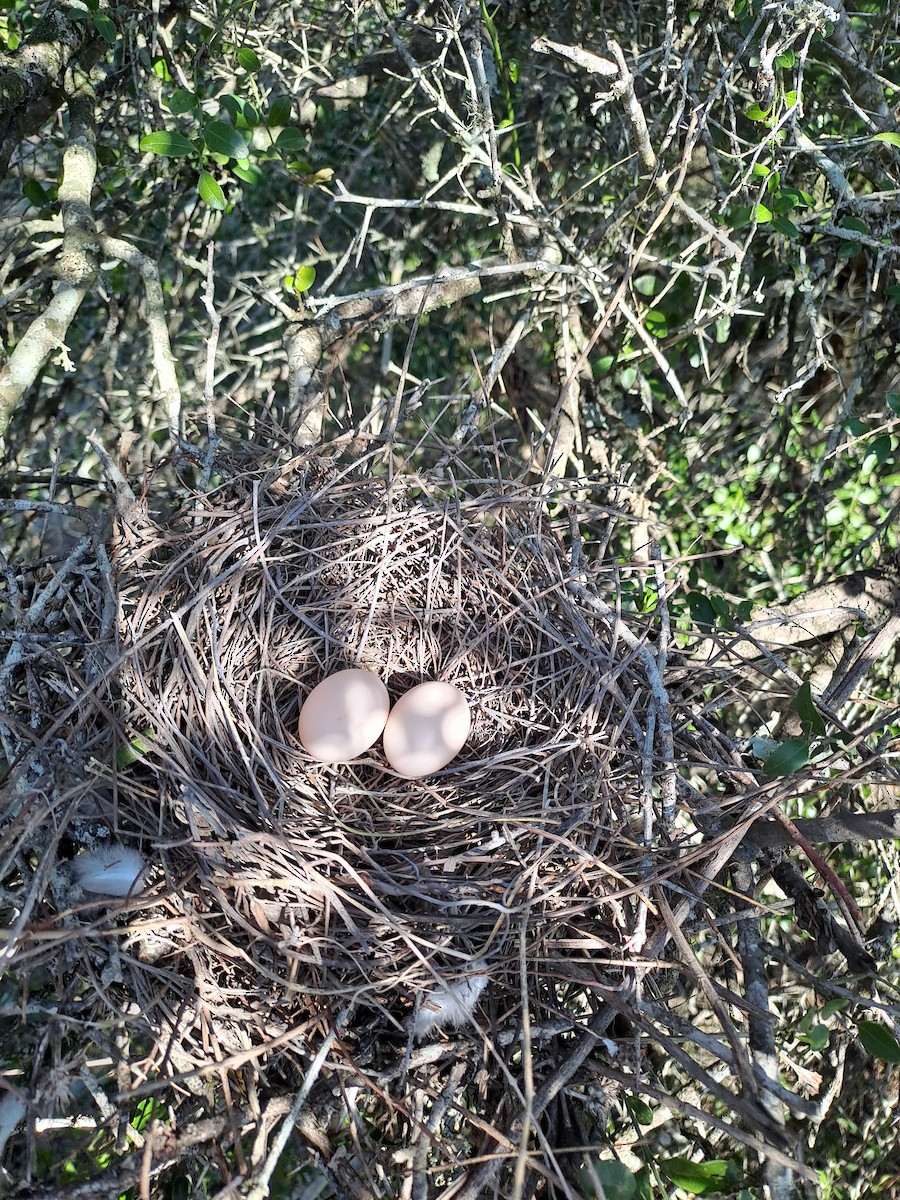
77, 266
160, 345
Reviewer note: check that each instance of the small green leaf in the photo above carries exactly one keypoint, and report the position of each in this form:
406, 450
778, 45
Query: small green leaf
513, 68
280, 111
739, 216
818, 1038
801, 199
302, 280
248, 172
893, 402
786, 60
291, 139
804, 707
106, 28
855, 224
703, 1178
210, 192
789, 757
879, 1041
639, 1109
168, 145
231, 104
882, 448
762, 215
832, 1007
35, 193
139, 746
892, 139
248, 60
646, 285
702, 611
220, 138
161, 70
786, 228
617, 1181
182, 101
757, 113
856, 426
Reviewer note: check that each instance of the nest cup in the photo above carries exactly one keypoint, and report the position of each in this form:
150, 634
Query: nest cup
332, 880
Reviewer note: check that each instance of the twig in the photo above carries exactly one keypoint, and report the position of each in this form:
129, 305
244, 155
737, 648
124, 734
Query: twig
209, 303
761, 1027
657, 689
258, 1188
77, 266
160, 344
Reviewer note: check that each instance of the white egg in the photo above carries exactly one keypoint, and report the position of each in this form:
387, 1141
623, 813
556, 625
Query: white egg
110, 870
343, 715
426, 729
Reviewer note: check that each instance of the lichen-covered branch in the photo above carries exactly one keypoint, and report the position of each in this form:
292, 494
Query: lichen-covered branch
77, 266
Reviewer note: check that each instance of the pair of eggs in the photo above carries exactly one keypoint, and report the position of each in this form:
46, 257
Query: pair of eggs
347, 713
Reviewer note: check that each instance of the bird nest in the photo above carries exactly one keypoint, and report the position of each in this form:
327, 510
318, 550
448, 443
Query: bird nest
422, 928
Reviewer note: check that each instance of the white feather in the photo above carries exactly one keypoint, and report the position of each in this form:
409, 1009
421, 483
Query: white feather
110, 870
450, 1005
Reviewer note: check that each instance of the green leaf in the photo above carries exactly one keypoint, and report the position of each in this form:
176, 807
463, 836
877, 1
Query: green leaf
106, 28
762, 215
856, 426
646, 285
882, 448
879, 1041
248, 60
818, 1038
617, 1181
220, 138
301, 281
166, 144
231, 104
786, 60
832, 1007
248, 172
703, 1179
35, 193
210, 192
702, 611
291, 139
800, 198
788, 758
182, 101
855, 224
639, 1109
786, 228
739, 216
892, 139
757, 113
893, 402
139, 746
804, 707
280, 111
513, 68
